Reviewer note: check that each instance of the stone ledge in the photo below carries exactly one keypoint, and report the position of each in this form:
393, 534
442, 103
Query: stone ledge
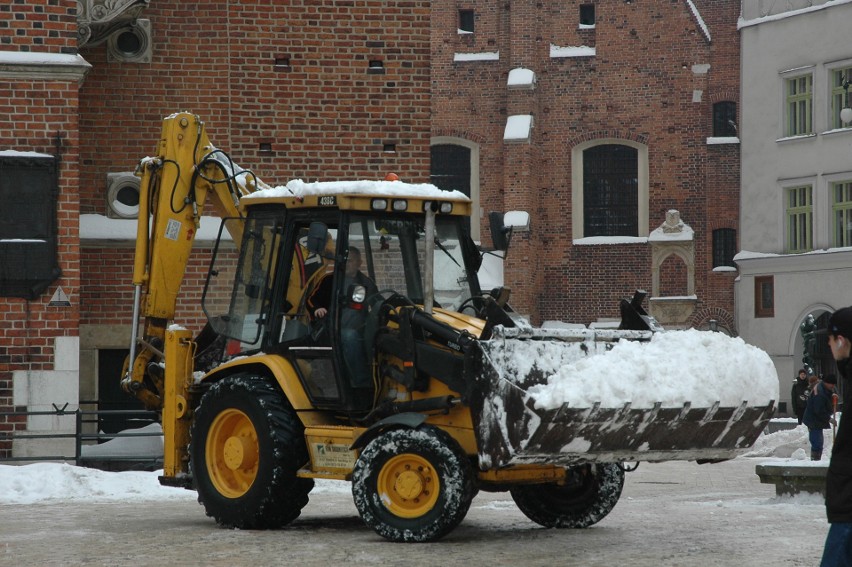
792, 479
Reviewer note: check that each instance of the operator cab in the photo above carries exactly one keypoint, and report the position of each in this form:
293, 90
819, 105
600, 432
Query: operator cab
311, 289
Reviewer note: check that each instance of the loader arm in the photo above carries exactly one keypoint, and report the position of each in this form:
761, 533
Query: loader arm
186, 173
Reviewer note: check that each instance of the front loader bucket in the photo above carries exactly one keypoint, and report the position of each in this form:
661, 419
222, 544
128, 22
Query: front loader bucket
512, 430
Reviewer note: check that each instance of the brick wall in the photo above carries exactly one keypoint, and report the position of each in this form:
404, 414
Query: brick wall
640, 85
285, 89
40, 115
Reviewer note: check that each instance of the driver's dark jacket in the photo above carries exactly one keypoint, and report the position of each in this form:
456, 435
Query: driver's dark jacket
321, 297
838, 481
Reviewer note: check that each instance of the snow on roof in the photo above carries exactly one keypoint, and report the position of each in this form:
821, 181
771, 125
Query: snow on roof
812, 7
699, 19
299, 189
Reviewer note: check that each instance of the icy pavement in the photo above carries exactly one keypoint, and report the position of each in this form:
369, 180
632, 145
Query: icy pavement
670, 514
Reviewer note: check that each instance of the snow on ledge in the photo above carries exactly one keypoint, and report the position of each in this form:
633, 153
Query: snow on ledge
596, 240
518, 128
521, 77
722, 140
571, 51
99, 227
17, 153
484, 56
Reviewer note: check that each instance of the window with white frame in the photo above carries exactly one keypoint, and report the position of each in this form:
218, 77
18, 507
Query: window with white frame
839, 77
841, 209
799, 105
800, 216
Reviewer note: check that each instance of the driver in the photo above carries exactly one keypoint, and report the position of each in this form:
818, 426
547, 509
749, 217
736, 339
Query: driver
352, 319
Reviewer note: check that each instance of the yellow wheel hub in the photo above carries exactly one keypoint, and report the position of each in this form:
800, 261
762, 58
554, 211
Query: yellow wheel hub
232, 453
408, 485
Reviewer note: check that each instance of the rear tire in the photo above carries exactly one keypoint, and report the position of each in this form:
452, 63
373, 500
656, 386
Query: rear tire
588, 495
413, 485
246, 446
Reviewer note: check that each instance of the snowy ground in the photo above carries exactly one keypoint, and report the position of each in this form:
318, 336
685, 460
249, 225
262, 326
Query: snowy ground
57, 483
670, 514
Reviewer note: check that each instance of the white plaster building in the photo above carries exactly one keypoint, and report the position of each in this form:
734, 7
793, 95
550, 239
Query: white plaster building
795, 244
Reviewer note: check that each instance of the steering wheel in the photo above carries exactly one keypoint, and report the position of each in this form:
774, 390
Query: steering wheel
380, 305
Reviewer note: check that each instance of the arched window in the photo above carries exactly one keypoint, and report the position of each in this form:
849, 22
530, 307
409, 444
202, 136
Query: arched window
610, 189
455, 166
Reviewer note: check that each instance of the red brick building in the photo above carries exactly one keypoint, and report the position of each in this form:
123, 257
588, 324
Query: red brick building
610, 107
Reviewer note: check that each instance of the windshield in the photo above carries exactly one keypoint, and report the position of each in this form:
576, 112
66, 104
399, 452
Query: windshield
393, 252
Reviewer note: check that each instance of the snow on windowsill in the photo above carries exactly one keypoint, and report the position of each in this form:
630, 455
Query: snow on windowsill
722, 140
597, 240
793, 138
724, 269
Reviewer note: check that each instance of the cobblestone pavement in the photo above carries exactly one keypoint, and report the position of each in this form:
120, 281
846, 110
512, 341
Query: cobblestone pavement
670, 514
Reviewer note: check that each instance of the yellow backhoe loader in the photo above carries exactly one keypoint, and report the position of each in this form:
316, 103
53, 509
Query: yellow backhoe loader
349, 339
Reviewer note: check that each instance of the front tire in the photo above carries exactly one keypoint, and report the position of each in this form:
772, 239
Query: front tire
413, 485
246, 446
588, 495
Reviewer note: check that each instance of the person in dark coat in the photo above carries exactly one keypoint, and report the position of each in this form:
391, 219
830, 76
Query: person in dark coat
799, 394
819, 413
838, 485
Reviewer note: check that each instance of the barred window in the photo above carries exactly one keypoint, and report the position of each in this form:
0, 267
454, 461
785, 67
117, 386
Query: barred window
725, 119
724, 247
610, 191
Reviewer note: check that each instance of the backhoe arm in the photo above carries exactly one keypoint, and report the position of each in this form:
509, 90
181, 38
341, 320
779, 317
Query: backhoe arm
186, 172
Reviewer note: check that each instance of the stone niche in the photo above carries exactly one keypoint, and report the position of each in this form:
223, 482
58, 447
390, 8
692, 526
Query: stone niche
673, 245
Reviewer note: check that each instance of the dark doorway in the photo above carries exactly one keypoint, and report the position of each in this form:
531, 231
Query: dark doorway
112, 397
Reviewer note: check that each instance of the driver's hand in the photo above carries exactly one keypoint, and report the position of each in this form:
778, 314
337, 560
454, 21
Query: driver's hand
321, 312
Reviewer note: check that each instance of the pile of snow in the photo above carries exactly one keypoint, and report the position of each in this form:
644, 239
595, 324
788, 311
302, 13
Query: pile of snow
673, 368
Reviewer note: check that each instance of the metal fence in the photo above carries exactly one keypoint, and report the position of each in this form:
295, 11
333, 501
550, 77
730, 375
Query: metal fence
82, 438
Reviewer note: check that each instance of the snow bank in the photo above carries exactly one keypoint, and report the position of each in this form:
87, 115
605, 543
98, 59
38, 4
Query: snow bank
674, 367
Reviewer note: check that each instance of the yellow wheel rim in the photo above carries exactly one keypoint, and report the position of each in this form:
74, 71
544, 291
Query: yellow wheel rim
408, 486
232, 453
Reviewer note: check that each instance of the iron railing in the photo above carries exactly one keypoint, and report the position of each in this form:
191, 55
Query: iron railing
83, 438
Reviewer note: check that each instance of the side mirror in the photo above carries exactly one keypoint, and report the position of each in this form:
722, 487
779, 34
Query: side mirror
317, 237
503, 225
499, 232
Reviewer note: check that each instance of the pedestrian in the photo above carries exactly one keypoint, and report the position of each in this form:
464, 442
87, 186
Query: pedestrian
819, 413
838, 485
799, 394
